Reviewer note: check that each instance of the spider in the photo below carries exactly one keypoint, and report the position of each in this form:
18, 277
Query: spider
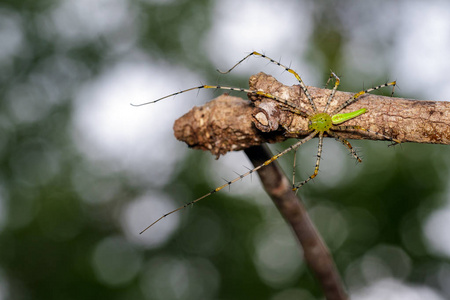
320, 123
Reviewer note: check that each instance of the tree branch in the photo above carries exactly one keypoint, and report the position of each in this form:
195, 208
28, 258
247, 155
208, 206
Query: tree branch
231, 124
315, 251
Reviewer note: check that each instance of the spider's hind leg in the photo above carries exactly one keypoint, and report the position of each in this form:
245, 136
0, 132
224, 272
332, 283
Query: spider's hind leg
365, 130
345, 143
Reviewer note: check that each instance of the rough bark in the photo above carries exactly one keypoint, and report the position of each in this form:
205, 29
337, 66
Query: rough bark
231, 123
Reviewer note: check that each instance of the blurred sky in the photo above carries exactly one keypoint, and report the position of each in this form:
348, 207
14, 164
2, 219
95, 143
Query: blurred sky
408, 40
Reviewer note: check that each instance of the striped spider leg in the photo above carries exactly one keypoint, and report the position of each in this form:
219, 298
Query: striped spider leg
267, 162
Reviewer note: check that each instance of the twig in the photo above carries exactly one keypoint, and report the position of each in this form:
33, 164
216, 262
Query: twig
315, 251
232, 124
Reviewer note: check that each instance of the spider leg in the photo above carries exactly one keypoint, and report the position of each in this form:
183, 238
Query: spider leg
267, 162
293, 168
299, 79
362, 129
333, 91
316, 168
345, 143
296, 111
295, 134
286, 103
357, 96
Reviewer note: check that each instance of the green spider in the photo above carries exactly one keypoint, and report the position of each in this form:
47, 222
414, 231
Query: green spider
320, 123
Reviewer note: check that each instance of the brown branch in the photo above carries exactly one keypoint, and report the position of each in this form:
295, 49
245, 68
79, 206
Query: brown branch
230, 123
315, 251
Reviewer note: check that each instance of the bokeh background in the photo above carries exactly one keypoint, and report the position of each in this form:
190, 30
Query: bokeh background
82, 172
